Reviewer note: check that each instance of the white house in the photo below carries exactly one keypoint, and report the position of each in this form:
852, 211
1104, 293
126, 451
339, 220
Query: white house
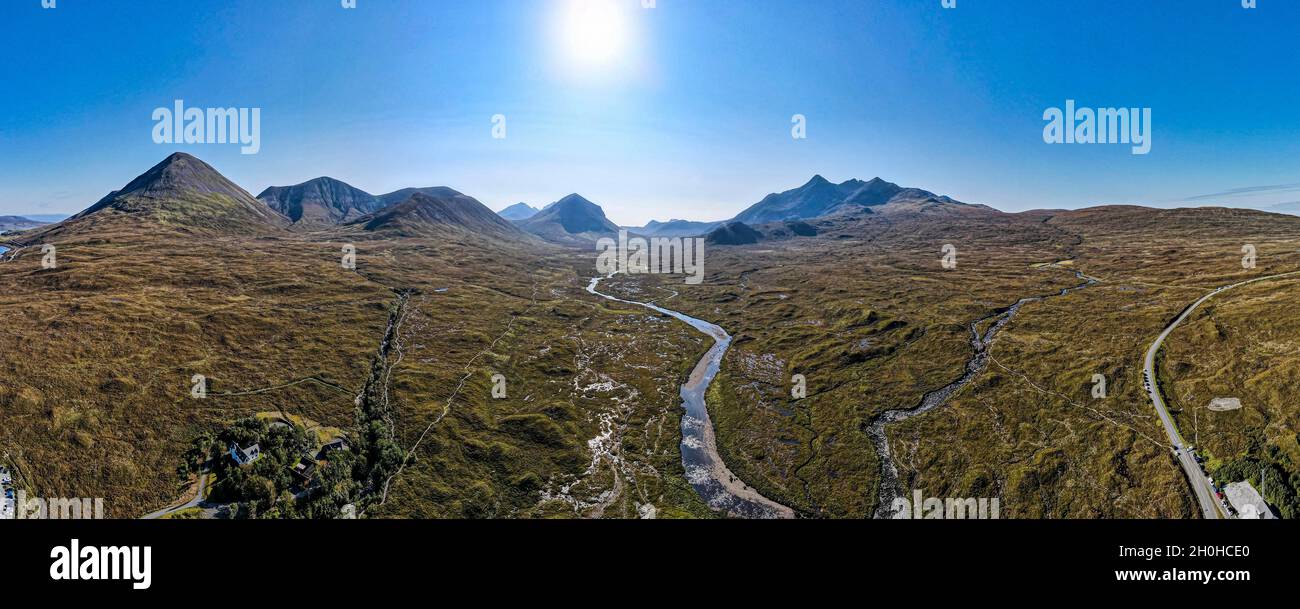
244, 456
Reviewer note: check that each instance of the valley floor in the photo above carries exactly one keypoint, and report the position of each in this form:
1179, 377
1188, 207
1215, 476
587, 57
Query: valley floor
509, 391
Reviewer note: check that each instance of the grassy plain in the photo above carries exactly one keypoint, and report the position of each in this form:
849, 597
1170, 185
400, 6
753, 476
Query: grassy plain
868, 315
98, 356
99, 353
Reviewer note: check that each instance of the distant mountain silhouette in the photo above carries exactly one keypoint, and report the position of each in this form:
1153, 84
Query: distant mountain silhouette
572, 220
8, 223
518, 211
184, 192
47, 218
676, 228
426, 215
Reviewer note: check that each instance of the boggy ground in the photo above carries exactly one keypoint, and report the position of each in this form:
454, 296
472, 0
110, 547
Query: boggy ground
98, 355
589, 424
866, 312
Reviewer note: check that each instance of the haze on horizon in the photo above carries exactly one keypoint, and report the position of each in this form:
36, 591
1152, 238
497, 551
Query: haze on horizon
678, 111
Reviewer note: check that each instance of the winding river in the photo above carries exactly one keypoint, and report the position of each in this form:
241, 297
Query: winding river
889, 484
705, 470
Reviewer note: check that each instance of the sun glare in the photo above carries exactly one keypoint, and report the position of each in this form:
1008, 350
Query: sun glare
594, 32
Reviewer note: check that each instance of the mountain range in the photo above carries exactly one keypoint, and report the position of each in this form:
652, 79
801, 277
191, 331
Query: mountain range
818, 198
573, 220
821, 197
326, 201
213, 202
184, 192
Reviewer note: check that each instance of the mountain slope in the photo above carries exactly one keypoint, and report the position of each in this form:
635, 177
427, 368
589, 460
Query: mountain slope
425, 215
572, 219
322, 201
400, 196
821, 197
184, 192
816, 198
733, 233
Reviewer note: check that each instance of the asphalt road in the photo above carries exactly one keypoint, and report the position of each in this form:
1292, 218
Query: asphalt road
195, 502
1201, 485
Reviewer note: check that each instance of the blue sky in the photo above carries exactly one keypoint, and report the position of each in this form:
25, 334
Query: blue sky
689, 116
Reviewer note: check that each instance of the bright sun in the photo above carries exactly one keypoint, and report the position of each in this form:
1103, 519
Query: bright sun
594, 32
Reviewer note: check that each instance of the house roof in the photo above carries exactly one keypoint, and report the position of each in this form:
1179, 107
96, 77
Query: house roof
249, 453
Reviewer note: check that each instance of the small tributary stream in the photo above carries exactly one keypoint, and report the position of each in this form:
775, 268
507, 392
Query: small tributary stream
889, 483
